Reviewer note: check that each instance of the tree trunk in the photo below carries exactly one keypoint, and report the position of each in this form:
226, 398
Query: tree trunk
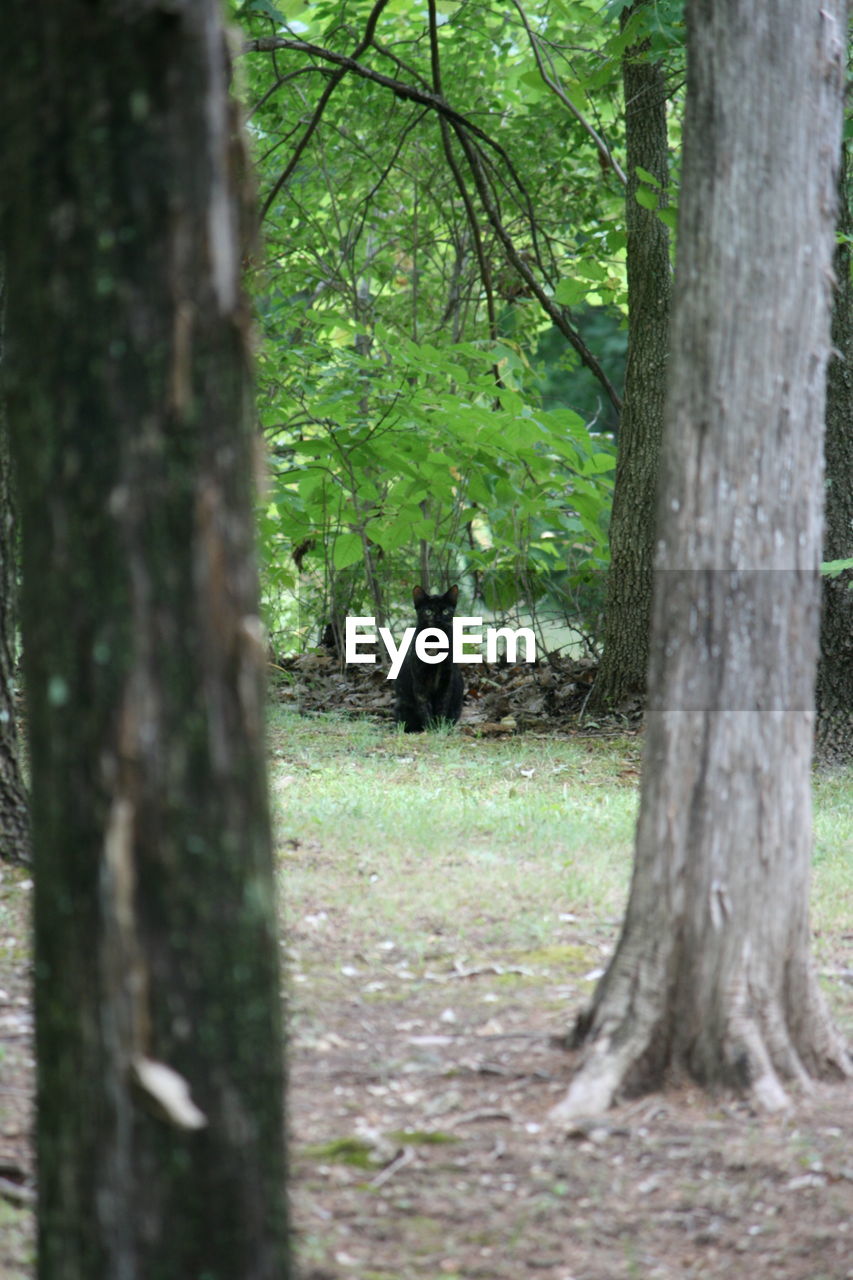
14, 809
712, 976
622, 673
835, 669
160, 1085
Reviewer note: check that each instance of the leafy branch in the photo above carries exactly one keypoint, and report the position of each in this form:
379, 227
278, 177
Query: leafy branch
550, 78
270, 44
469, 135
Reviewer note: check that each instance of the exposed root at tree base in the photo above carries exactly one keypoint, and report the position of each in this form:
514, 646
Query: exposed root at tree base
608, 1073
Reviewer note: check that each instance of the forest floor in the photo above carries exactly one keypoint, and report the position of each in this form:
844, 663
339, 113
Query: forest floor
422, 1150
425, 1047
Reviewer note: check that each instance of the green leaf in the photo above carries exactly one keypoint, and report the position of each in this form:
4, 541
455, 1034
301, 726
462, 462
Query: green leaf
262, 6
669, 217
570, 292
598, 464
348, 549
590, 270
648, 199
832, 568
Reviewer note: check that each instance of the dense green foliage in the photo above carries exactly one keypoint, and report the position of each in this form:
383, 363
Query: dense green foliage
443, 251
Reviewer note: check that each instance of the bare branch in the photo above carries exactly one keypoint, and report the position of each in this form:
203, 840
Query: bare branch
271, 43
466, 131
470, 211
284, 79
558, 314
415, 93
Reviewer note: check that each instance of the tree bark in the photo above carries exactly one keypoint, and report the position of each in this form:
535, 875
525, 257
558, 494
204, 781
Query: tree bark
712, 977
14, 807
160, 1084
622, 673
835, 669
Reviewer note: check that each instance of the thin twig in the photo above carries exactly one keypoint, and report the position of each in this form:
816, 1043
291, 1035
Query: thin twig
553, 309
556, 88
465, 131
270, 42
470, 212
406, 1156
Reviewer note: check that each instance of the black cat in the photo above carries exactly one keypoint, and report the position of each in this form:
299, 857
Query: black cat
430, 693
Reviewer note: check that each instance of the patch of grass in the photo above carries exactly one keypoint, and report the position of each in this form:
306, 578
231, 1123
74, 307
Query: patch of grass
421, 847
438, 839
422, 1137
353, 1151
832, 868
565, 960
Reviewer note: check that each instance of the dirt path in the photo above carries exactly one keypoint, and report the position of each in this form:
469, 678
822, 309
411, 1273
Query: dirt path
421, 1151
418, 1101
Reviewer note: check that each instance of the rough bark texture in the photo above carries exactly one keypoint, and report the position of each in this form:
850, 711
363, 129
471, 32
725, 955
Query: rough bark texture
622, 673
14, 809
712, 976
156, 947
835, 669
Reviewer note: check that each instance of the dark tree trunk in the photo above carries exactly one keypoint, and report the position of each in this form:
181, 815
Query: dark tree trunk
160, 1086
835, 669
14, 810
712, 977
622, 673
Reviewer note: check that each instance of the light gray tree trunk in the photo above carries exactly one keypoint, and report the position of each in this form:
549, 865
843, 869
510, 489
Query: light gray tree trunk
158, 1025
712, 977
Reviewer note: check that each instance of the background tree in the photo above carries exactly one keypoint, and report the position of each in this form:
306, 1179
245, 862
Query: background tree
712, 975
14, 812
159, 1131
629, 579
835, 669
415, 172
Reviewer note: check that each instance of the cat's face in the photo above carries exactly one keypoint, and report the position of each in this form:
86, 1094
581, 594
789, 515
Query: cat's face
435, 611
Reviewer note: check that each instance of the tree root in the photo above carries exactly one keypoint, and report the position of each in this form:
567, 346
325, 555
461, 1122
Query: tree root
750, 1059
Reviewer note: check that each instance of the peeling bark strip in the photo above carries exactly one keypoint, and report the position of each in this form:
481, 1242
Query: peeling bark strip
160, 1121
712, 976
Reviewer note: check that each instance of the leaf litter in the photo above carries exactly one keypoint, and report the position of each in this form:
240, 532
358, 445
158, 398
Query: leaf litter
669, 1185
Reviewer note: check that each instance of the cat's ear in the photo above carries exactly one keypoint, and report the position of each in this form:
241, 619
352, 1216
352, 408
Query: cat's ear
418, 594
452, 595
